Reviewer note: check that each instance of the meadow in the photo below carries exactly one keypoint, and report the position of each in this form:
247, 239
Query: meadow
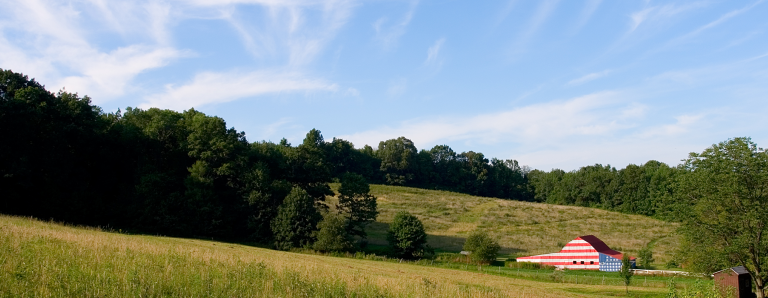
522, 228
45, 259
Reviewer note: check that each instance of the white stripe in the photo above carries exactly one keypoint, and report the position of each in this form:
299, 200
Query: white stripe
578, 241
578, 248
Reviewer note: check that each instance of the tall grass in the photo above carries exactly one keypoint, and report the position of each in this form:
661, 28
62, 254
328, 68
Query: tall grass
41, 259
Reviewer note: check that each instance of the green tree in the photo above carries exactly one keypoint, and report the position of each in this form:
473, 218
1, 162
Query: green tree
397, 158
483, 248
406, 236
356, 202
727, 187
646, 256
332, 234
626, 272
296, 221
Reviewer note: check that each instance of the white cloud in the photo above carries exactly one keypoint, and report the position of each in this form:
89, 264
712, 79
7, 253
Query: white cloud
434, 51
588, 77
212, 87
593, 114
388, 35
50, 41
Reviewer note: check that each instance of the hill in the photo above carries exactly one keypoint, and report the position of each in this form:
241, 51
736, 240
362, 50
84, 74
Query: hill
523, 228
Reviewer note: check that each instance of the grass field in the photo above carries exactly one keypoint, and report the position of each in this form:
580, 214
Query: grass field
522, 228
43, 259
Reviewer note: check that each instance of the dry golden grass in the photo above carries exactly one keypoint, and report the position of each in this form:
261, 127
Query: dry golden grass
42, 259
522, 228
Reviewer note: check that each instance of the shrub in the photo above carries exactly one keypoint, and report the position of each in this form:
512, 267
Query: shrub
332, 234
406, 236
483, 248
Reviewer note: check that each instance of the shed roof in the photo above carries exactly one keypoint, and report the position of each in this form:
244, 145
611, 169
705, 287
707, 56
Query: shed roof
739, 270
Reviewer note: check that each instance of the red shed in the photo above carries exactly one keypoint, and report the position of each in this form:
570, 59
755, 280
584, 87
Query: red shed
738, 278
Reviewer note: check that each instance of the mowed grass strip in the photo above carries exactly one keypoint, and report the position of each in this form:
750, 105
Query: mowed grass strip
43, 259
522, 228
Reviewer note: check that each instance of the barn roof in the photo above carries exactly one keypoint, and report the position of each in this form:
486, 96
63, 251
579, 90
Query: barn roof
601, 247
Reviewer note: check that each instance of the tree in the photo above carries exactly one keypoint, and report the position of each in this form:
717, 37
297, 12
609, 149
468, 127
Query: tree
646, 257
406, 236
332, 234
397, 157
483, 248
626, 272
356, 203
296, 221
727, 189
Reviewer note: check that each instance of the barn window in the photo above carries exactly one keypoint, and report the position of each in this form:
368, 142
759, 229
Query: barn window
582, 262
574, 262
591, 262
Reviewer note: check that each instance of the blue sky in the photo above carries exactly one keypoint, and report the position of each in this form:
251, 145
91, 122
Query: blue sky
553, 84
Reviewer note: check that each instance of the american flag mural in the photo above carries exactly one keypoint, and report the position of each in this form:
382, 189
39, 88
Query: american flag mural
585, 252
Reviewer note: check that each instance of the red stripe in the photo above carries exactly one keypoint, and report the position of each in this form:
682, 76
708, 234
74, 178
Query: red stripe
577, 250
559, 257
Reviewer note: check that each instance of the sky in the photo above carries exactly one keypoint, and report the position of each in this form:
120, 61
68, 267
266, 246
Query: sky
552, 84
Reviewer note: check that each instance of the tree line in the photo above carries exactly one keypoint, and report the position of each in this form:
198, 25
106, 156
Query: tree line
188, 174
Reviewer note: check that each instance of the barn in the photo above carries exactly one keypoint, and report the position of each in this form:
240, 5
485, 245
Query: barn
585, 252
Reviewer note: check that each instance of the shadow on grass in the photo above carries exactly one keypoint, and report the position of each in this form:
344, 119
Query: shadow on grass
377, 236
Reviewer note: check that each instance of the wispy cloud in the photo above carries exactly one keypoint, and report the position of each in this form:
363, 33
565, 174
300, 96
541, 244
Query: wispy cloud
589, 9
593, 114
63, 56
397, 87
433, 52
388, 34
215, 87
539, 17
715, 23
296, 31
589, 77
660, 13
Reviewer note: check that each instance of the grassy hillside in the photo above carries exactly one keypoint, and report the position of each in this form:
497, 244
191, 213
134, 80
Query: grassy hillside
42, 259
522, 228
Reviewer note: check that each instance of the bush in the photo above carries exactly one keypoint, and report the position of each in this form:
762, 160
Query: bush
332, 234
483, 248
406, 236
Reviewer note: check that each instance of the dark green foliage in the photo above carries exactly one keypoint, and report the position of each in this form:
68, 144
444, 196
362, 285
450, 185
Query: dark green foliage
727, 187
356, 203
626, 272
332, 234
483, 248
407, 237
296, 221
647, 189
397, 160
